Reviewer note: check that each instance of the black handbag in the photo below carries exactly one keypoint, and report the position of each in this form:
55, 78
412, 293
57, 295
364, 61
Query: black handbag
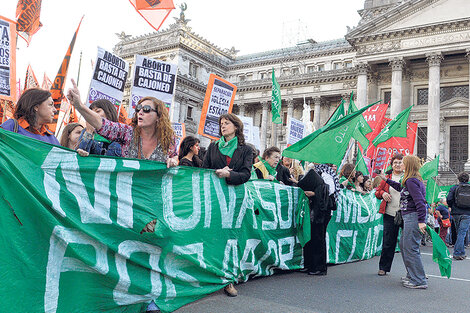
398, 220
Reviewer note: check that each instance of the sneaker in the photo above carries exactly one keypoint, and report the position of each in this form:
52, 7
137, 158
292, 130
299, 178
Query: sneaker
459, 257
230, 290
405, 279
410, 285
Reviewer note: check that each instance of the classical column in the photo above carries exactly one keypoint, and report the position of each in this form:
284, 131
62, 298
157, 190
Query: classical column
264, 125
183, 108
290, 108
175, 109
397, 65
345, 96
362, 70
274, 134
241, 109
316, 112
434, 61
373, 91
467, 164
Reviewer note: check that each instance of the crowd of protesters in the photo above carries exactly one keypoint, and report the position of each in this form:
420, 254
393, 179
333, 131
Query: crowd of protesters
150, 137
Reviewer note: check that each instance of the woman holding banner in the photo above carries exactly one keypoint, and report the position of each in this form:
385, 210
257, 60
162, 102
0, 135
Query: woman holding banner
149, 137
413, 210
231, 158
34, 110
389, 208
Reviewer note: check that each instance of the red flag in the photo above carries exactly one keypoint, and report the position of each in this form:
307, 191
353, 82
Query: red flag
7, 108
46, 83
153, 11
73, 115
123, 116
58, 85
27, 17
30, 80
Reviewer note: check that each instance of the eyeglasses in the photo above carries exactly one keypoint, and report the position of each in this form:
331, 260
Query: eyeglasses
146, 108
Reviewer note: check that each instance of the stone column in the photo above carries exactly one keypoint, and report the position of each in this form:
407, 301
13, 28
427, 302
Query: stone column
264, 125
316, 112
175, 110
183, 108
274, 134
290, 108
434, 61
241, 109
373, 90
346, 96
397, 65
467, 164
362, 70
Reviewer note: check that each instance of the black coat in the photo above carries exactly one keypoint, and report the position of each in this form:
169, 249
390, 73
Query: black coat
283, 175
241, 163
194, 163
320, 204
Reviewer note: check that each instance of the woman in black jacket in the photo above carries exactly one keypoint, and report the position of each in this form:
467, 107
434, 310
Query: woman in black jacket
231, 158
189, 151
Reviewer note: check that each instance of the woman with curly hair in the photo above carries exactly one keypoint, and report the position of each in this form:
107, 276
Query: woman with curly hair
149, 137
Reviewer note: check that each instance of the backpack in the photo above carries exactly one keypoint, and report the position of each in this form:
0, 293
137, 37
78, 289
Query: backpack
462, 197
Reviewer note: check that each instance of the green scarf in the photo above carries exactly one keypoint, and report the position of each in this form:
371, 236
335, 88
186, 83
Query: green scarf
98, 137
271, 171
228, 148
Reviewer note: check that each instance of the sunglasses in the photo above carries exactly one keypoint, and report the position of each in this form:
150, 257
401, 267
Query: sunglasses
146, 108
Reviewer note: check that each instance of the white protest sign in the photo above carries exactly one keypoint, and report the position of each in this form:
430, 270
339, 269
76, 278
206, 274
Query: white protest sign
256, 138
152, 78
295, 131
180, 133
247, 128
109, 78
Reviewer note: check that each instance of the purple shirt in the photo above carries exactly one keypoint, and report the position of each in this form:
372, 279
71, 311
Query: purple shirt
412, 197
47, 137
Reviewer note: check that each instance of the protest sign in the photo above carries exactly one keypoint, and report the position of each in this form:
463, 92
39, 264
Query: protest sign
27, 16
109, 78
71, 230
7, 59
355, 230
152, 78
247, 128
180, 133
295, 131
218, 100
256, 137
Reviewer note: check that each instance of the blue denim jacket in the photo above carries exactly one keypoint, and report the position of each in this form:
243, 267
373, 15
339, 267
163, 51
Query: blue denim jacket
98, 147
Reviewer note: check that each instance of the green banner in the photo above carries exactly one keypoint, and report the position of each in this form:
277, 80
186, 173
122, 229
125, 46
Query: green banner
355, 230
71, 231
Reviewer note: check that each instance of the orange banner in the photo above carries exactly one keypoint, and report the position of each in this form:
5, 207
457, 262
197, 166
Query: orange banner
7, 59
58, 85
27, 17
30, 80
153, 11
7, 108
46, 83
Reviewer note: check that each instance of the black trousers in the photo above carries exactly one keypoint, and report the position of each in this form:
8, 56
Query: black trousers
389, 244
315, 249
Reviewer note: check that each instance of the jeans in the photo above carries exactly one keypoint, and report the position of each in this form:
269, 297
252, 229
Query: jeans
409, 245
462, 223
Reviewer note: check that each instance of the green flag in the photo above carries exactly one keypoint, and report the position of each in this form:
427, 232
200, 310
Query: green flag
337, 114
327, 144
440, 253
395, 128
362, 128
72, 237
276, 101
361, 164
430, 169
434, 192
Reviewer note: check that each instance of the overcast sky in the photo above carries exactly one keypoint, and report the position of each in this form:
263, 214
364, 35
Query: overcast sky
249, 26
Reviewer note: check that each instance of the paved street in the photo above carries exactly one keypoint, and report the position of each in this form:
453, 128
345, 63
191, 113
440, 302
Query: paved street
353, 287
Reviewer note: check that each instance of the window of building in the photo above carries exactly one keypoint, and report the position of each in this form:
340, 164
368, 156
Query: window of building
241, 78
262, 75
189, 113
284, 120
285, 71
321, 67
295, 71
312, 115
249, 77
422, 140
348, 64
446, 93
260, 120
310, 69
387, 96
193, 69
336, 66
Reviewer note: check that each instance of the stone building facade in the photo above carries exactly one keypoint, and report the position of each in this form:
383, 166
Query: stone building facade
412, 52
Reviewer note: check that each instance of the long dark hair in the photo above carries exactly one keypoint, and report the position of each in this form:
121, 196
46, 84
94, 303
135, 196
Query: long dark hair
186, 145
108, 108
238, 126
30, 99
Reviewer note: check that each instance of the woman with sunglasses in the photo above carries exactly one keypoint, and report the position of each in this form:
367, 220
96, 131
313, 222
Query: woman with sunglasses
149, 137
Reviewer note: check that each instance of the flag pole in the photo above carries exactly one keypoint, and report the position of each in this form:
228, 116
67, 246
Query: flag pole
79, 67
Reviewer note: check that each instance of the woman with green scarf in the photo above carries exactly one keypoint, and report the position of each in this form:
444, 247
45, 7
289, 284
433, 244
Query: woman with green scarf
266, 168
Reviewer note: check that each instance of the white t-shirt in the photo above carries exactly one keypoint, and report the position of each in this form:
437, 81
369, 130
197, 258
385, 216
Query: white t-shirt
394, 205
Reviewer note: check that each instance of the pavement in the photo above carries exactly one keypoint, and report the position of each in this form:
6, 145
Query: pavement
352, 287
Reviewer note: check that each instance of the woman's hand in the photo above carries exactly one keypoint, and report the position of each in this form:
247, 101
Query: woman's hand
74, 95
270, 177
223, 172
309, 193
422, 227
382, 175
387, 197
83, 153
172, 162
292, 179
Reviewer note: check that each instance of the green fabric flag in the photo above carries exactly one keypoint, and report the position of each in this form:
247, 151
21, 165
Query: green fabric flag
71, 235
276, 101
395, 128
98, 137
327, 144
337, 114
355, 230
434, 192
362, 127
440, 253
430, 169
361, 164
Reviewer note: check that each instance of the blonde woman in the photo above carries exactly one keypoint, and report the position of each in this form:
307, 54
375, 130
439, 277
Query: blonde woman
413, 210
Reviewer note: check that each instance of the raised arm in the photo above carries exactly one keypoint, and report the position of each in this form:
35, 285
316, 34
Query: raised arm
91, 117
